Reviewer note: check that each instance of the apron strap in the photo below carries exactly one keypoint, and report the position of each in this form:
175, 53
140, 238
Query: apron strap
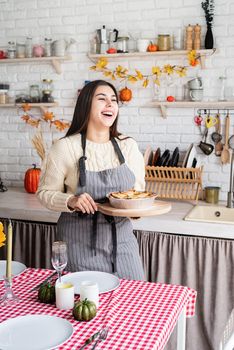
82, 168
118, 150
110, 220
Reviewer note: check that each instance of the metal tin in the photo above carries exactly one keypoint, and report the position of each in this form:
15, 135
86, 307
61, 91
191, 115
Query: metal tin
164, 42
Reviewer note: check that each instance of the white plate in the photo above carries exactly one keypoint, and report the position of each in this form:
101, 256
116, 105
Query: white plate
184, 164
34, 332
17, 268
106, 281
192, 155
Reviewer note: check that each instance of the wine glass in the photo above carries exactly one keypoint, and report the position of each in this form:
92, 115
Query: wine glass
59, 257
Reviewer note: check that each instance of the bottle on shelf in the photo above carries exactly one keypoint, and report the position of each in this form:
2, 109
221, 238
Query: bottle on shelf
197, 37
47, 47
47, 89
20, 50
28, 47
11, 49
34, 93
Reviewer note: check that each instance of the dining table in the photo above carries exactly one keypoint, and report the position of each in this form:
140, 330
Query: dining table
139, 315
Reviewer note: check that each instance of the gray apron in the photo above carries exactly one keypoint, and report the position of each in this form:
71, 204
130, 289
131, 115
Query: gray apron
97, 241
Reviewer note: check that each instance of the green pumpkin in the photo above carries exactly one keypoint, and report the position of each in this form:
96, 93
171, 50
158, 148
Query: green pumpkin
84, 310
46, 293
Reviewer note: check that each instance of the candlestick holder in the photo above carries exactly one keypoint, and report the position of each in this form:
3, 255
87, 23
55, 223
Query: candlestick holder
8, 297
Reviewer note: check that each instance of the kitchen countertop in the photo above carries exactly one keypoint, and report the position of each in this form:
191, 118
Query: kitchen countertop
17, 204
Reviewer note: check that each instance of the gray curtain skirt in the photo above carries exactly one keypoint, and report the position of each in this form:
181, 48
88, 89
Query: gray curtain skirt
205, 264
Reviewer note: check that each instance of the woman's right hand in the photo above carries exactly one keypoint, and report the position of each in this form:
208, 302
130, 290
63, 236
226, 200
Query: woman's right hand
84, 202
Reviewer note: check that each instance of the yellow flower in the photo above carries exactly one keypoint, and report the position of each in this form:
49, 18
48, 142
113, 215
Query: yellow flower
168, 69
156, 70
102, 63
2, 235
139, 74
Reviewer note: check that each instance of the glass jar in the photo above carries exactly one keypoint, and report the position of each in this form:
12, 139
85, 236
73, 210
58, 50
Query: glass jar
11, 49
47, 89
47, 47
164, 42
4, 88
28, 47
20, 50
34, 93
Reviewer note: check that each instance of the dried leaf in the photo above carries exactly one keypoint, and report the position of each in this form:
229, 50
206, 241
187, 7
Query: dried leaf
139, 74
132, 79
145, 83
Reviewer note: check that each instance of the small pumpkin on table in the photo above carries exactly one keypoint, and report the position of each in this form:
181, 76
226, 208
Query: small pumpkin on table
46, 293
84, 310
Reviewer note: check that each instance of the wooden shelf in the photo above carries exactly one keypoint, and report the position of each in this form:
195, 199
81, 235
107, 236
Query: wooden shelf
190, 104
43, 106
54, 60
173, 53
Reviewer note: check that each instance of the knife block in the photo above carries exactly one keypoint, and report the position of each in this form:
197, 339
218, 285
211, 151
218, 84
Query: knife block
174, 182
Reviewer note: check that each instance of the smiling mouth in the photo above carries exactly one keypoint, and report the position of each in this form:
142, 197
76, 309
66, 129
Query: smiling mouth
108, 114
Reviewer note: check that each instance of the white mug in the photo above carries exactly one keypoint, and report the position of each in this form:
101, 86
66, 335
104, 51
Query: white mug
89, 290
142, 44
196, 94
64, 293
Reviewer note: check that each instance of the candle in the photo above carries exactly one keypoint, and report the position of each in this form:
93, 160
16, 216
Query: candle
9, 251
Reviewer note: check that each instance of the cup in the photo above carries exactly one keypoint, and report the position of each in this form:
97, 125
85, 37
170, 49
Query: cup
89, 290
196, 94
64, 293
212, 194
142, 44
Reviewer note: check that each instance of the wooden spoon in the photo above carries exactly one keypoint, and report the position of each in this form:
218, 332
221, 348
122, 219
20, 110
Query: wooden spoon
218, 145
225, 155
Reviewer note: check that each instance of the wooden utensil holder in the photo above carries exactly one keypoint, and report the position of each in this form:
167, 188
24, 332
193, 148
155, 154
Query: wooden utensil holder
173, 182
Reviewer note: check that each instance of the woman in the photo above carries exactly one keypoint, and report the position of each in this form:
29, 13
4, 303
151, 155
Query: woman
92, 160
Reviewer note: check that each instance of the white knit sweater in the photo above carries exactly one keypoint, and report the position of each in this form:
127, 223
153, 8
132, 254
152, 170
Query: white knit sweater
59, 170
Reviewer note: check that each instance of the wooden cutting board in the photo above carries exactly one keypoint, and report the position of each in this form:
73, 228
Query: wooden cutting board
158, 208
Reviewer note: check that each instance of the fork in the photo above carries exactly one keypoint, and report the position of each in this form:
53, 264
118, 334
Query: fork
102, 336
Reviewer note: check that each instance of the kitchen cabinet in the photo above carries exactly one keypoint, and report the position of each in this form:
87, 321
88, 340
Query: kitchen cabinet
158, 54
163, 105
54, 60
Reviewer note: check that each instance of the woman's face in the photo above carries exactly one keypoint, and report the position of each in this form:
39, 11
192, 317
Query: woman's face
104, 108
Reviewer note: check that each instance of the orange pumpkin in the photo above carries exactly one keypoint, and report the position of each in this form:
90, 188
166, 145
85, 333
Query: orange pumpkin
152, 47
31, 179
125, 95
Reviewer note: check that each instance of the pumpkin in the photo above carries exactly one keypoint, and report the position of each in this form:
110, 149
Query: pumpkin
46, 293
152, 47
125, 95
31, 179
84, 310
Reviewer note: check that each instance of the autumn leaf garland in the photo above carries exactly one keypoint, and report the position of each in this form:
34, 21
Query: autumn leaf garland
156, 72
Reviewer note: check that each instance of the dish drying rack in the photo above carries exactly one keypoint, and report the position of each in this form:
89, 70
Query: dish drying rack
174, 182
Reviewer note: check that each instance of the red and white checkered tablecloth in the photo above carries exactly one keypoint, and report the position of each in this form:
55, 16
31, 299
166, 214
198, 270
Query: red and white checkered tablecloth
140, 315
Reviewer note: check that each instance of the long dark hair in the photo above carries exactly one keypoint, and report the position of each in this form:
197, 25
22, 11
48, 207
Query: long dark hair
81, 114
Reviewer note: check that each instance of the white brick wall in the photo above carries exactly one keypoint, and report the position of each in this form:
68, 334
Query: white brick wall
79, 19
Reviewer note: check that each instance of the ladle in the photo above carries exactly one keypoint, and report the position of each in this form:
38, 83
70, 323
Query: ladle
216, 136
225, 155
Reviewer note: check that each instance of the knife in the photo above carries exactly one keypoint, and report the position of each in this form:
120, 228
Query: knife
43, 282
89, 340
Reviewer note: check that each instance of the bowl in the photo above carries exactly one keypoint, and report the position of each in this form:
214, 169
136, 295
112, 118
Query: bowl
132, 199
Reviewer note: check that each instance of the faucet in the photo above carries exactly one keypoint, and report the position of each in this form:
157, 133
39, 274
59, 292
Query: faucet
230, 195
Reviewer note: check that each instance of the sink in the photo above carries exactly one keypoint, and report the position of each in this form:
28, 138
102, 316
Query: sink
215, 214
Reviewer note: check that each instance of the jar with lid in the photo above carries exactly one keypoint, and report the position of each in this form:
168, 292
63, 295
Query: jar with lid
4, 93
164, 42
48, 47
47, 89
122, 44
20, 50
34, 93
28, 47
11, 49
